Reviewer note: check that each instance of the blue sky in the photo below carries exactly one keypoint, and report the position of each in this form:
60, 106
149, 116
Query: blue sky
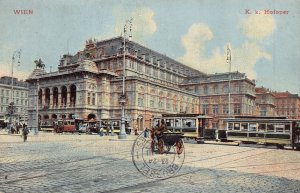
195, 32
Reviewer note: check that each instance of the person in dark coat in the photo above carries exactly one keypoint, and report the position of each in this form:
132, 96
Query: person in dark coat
25, 132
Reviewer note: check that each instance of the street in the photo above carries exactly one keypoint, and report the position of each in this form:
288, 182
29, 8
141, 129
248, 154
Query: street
90, 163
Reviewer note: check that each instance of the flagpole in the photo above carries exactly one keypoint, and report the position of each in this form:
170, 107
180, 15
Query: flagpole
229, 79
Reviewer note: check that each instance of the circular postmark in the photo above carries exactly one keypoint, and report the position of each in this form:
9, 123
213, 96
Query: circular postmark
158, 158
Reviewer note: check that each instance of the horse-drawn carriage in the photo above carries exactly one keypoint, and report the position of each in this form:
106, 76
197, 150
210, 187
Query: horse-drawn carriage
163, 140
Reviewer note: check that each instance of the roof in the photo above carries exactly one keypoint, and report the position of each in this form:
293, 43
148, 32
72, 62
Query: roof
285, 94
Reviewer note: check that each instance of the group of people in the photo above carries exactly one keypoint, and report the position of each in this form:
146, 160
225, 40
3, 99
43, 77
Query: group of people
109, 131
16, 128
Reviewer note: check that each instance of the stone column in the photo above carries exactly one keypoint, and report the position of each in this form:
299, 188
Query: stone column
68, 97
51, 98
60, 98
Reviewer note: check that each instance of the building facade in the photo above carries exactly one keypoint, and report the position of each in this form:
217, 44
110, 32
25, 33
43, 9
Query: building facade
287, 104
214, 90
89, 85
265, 102
17, 93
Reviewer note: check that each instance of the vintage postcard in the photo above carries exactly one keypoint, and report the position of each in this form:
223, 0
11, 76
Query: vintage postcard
149, 96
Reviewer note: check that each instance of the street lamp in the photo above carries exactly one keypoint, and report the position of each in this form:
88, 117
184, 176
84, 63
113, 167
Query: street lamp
37, 108
122, 99
11, 108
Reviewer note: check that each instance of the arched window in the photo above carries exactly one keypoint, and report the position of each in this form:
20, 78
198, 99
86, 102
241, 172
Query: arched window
72, 95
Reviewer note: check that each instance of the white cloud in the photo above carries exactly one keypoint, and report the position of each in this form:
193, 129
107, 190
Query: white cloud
143, 24
244, 58
258, 26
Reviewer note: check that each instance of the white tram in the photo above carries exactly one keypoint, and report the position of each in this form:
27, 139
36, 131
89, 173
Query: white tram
191, 125
278, 131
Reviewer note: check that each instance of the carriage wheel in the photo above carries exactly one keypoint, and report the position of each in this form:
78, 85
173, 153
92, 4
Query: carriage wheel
179, 146
160, 146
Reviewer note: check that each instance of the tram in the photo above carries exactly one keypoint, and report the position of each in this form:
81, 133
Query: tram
190, 125
47, 126
279, 131
67, 125
114, 124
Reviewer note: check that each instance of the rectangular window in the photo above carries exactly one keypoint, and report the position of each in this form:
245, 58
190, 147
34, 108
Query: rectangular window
270, 128
244, 126
261, 127
236, 126
205, 109
152, 102
94, 99
237, 109
140, 102
252, 127
155, 72
168, 75
140, 67
225, 109
162, 75
215, 109
89, 98
168, 107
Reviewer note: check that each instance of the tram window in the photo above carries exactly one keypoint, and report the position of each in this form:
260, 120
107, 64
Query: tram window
65, 123
72, 123
156, 123
177, 122
168, 122
188, 123
244, 126
236, 126
279, 128
252, 127
287, 128
261, 127
270, 128
230, 126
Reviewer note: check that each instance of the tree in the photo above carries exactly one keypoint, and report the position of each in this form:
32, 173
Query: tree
39, 64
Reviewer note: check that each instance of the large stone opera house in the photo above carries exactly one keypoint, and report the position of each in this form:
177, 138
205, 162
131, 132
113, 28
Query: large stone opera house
88, 85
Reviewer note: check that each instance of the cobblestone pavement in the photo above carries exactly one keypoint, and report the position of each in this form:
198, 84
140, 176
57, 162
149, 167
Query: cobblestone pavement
90, 163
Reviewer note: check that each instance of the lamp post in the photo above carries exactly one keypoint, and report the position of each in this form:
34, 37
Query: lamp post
36, 132
12, 108
122, 100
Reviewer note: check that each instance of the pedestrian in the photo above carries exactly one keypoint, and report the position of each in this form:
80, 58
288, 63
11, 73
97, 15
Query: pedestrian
146, 132
107, 130
25, 132
136, 132
112, 131
101, 132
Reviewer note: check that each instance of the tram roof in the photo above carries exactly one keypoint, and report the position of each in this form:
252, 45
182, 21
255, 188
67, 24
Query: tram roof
184, 115
261, 119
